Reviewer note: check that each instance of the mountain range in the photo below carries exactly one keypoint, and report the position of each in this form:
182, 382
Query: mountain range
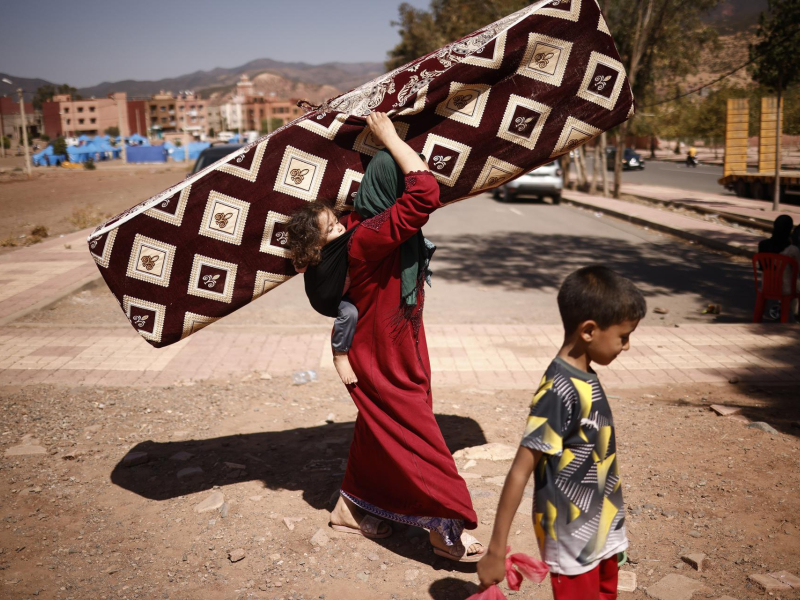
301, 80
341, 76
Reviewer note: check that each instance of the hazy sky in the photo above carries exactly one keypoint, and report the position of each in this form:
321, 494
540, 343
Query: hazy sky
86, 42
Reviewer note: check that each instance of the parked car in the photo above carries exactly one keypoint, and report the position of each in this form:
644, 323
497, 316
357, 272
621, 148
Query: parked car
212, 154
630, 160
547, 180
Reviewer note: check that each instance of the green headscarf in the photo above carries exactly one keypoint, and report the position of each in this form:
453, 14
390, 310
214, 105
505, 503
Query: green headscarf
383, 183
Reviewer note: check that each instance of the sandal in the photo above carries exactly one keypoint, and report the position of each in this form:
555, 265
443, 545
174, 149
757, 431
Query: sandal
368, 527
466, 541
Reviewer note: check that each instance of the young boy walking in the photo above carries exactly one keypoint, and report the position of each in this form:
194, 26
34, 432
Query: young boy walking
569, 446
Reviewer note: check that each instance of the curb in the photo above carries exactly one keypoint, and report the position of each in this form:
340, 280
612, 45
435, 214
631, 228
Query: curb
49, 301
698, 239
761, 224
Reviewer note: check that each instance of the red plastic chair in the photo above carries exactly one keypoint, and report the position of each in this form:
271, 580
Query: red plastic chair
772, 269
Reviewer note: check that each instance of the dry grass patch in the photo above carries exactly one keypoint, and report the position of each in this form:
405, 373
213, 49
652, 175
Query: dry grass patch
87, 216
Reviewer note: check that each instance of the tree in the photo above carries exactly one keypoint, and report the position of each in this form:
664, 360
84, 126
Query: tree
776, 62
270, 125
113, 131
656, 39
59, 145
423, 31
46, 92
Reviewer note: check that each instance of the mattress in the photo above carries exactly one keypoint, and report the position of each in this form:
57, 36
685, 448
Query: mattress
482, 110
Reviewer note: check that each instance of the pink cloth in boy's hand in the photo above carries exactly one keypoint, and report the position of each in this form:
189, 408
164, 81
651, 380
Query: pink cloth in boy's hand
529, 567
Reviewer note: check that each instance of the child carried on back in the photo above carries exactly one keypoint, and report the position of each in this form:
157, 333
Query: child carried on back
318, 243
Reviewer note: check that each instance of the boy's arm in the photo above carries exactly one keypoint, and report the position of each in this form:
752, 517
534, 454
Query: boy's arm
491, 568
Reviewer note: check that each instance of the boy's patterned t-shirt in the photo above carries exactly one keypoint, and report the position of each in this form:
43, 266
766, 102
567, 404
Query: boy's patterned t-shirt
578, 513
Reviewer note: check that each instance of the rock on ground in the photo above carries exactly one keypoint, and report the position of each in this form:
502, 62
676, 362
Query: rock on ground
131, 459
696, 561
320, 538
626, 581
674, 587
787, 578
487, 452
213, 502
769, 583
236, 555
765, 427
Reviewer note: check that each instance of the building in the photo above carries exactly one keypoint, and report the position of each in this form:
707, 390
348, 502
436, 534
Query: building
249, 110
267, 114
11, 119
168, 114
214, 117
72, 118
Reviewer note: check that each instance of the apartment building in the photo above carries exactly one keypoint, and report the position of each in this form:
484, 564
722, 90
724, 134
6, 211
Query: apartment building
167, 114
11, 119
70, 118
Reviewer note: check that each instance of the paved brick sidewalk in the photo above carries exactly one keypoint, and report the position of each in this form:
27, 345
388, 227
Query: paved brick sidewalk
713, 235
496, 356
759, 210
33, 277
511, 356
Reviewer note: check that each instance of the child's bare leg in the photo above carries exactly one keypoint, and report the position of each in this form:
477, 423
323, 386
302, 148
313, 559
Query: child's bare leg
343, 367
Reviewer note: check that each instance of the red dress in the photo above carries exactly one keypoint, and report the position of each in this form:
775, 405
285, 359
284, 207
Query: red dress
398, 459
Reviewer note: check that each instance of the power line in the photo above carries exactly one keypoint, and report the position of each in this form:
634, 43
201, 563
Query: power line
717, 80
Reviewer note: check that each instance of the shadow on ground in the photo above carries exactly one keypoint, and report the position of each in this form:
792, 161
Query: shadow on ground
522, 260
310, 459
451, 588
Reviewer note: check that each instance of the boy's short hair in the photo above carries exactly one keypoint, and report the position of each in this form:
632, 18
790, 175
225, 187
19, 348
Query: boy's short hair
596, 293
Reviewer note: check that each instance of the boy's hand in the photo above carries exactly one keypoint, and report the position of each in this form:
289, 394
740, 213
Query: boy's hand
382, 128
491, 569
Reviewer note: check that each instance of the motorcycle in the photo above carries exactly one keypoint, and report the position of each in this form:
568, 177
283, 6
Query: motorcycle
691, 161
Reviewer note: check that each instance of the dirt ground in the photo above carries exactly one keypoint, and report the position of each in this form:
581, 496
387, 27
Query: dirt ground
66, 200
79, 524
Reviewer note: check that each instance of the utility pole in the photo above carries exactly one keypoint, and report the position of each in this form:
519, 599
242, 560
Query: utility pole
2, 133
123, 123
24, 133
185, 130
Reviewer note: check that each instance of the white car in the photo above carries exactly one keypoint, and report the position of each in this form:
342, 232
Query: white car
547, 180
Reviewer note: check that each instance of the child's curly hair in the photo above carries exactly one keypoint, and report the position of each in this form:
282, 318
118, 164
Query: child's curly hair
305, 236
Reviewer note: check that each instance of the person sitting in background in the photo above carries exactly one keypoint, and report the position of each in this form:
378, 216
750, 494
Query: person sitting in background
792, 251
781, 236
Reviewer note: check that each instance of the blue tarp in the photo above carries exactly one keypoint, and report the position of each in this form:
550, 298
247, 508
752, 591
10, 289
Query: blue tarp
137, 139
47, 158
84, 138
146, 154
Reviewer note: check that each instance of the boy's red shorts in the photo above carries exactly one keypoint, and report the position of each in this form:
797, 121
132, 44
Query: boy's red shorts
598, 584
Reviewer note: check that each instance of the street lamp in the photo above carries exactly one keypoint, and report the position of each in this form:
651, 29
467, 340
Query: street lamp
24, 127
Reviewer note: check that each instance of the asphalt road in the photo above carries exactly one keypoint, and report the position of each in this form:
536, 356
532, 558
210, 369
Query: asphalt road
700, 179
503, 263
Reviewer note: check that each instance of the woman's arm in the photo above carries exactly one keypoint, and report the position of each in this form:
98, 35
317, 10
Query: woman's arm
382, 234
491, 568
384, 132
377, 237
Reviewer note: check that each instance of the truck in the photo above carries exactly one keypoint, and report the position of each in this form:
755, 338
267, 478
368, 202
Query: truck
760, 184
